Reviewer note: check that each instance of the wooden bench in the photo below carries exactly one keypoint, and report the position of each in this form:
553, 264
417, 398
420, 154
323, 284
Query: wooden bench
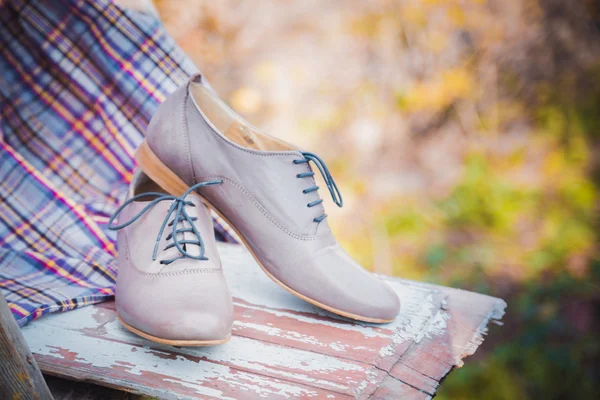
281, 348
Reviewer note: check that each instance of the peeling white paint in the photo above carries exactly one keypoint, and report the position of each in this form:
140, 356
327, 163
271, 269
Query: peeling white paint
365, 329
271, 331
248, 354
436, 326
414, 320
338, 346
101, 354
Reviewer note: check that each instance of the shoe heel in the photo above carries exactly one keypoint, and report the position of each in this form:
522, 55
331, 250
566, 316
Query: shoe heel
159, 172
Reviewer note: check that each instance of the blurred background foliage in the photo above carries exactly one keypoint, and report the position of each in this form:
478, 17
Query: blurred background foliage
464, 135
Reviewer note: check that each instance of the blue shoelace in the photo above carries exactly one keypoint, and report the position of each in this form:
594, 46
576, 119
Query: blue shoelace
331, 185
177, 208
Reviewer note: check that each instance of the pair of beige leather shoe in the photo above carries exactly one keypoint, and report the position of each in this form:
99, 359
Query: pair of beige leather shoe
198, 153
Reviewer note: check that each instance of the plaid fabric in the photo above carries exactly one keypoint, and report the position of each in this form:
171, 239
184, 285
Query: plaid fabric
79, 81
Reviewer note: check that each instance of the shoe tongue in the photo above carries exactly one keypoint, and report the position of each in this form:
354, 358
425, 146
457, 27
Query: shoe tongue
193, 212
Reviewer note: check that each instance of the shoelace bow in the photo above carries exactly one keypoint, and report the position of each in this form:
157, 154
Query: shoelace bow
329, 181
181, 215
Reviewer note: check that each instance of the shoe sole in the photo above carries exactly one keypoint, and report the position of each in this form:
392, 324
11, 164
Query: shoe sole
169, 181
170, 342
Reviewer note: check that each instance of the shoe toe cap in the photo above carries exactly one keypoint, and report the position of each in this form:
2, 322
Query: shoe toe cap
200, 325
194, 307
367, 298
333, 279
385, 305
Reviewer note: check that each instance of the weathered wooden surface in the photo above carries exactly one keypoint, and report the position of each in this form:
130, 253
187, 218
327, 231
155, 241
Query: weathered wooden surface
282, 347
20, 377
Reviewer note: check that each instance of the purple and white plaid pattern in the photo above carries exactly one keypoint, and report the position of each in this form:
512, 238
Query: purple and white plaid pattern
79, 81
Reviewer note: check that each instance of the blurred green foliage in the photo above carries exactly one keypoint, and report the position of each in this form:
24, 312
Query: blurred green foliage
552, 349
549, 347
533, 242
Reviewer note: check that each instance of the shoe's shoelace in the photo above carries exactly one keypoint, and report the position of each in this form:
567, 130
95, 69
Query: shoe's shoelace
181, 215
331, 185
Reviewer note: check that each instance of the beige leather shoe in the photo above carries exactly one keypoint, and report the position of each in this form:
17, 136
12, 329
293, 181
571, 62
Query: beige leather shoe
268, 195
170, 285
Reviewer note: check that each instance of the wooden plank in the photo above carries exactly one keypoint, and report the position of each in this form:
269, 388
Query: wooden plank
392, 388
242, 360
427, 362
20, 377
282, 347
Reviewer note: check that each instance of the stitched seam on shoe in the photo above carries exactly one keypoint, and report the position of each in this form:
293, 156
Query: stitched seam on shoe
256, 153
294, 156
162, 274
264, 211
186, 137
186, 272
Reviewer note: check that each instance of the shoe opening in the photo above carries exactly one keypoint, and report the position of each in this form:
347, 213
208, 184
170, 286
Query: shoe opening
231, 125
